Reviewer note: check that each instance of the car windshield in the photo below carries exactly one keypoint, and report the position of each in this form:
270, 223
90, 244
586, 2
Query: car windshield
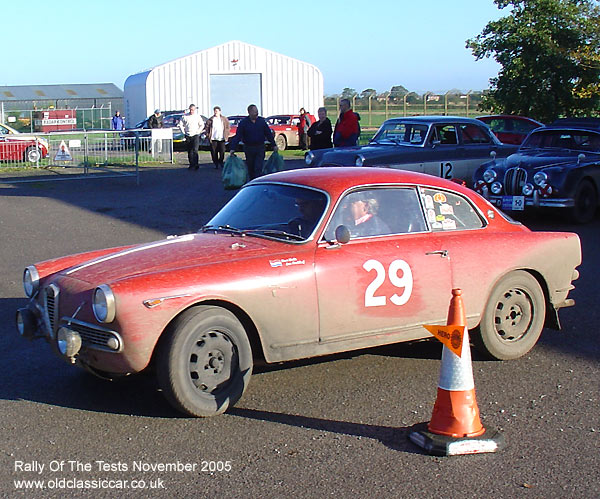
401, 133
285, 212
577, 140
278, 120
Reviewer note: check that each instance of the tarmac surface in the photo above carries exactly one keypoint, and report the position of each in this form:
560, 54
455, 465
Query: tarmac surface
334, 426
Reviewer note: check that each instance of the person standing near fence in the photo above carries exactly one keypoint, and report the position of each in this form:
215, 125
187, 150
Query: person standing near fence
156, 121
253, 131
117, 122
303, 126
217, 131
320, 131
347, 129
192, 125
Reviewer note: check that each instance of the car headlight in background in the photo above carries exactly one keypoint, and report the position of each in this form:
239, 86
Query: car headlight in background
309, 158
103, 303
359, 161
496, 188
31, 281
540, 178
528, 189
489, 175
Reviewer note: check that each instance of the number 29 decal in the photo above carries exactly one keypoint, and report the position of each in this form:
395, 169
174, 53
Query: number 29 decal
403, 281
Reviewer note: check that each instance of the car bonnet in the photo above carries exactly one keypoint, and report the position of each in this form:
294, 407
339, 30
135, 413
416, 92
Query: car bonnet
169, 254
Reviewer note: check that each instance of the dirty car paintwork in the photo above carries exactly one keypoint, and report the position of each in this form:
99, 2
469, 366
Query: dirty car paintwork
307, 294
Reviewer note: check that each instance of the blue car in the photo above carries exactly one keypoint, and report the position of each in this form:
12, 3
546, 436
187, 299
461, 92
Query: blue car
444, 146
557, 166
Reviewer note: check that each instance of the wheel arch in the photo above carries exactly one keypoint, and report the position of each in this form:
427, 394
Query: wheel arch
247, 323
551, 319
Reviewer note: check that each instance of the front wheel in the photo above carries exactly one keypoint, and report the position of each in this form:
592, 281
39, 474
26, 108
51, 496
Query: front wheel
513, 318
281, 142
205, 363
33, 155
586, 203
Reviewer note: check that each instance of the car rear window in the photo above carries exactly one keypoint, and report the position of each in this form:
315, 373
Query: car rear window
447, 211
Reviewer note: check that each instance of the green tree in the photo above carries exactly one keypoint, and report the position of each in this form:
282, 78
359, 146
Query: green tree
348, 93
397, 92
549, 53
368, 92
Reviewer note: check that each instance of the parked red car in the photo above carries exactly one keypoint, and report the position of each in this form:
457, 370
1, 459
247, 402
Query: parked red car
299, 264
510, 129
16, 146
285, 127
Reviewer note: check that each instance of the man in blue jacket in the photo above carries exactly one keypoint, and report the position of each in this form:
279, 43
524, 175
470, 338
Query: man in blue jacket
253, 131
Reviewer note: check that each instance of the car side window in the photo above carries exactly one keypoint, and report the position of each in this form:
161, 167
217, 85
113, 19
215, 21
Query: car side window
473, 134
446, 134
447, 211
378, 212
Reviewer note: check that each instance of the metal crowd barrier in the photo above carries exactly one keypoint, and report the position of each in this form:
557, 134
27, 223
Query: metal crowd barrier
110, 152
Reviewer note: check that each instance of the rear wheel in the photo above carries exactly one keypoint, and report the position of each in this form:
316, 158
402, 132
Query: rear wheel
513, 317
586, 203
205, 364
281, 142
32, 154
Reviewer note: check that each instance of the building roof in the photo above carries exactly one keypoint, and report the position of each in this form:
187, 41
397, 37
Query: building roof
66, 91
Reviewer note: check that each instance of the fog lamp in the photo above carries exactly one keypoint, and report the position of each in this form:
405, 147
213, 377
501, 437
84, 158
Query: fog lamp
496, 188
489, 175
540, 178
68, 341
527, 189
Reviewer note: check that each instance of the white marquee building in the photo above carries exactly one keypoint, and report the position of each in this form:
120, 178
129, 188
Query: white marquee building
231, 75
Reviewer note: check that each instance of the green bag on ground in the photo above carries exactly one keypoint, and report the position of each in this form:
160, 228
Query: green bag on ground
273, 164
235, 173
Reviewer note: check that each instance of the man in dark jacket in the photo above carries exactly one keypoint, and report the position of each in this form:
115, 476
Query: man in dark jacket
253, 131
347, 129
156, 121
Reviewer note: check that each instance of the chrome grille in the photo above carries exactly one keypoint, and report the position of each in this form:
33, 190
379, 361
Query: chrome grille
94, 337
514, 180
51, 306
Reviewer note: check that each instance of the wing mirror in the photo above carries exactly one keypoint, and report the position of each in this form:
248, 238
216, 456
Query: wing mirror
580, 158
493, 155
342, 234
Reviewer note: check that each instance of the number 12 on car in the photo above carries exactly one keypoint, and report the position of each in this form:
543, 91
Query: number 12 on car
403, 281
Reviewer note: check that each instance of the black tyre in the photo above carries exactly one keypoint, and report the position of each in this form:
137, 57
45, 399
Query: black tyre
586, 203
513, 317
32, 154
281, 142
205, 363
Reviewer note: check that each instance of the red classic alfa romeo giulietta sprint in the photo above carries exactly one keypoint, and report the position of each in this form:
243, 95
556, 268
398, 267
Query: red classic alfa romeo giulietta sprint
300, 264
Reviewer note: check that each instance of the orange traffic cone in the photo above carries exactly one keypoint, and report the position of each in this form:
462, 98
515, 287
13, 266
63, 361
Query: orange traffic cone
455, 426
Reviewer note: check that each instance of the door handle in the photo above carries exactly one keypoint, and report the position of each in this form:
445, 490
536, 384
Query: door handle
442, 253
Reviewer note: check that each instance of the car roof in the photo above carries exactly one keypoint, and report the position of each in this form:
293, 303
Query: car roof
586, 123
433, 119
336, 179
507, 116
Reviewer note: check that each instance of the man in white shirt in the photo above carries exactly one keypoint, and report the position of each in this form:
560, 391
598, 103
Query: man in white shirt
217, 131
192, 125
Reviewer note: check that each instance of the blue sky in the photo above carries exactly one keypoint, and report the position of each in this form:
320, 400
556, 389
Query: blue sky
357, 44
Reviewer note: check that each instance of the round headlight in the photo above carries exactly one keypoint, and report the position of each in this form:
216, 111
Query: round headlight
31, 281
309, 158
489, 175
496, 188
540, 178
360, 159
527, 189
104, 303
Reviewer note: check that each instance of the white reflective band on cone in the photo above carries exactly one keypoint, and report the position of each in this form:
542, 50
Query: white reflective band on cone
456, 373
